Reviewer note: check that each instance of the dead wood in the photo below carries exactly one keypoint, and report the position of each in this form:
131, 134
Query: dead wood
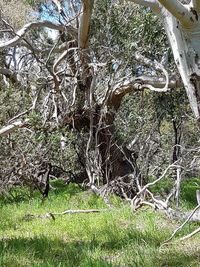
29, 217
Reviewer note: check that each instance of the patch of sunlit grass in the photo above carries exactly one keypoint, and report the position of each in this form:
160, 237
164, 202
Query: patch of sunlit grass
117, 237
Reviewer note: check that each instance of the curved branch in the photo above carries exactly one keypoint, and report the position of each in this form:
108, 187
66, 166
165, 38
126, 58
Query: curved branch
157, 66
20, 34
166, 242
135, 84
60, 49
61, 58
179, 11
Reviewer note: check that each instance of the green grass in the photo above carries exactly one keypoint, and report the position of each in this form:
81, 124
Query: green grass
188, 191
114, 238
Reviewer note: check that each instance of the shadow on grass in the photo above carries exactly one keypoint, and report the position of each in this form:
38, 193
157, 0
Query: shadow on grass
18, 194
43, 251
47, 252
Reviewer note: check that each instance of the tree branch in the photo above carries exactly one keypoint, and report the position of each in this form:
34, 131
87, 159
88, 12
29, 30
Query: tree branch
137, 83
60, 49
181, 226
20, 34
83, 34
156, 66
52, 215
189, 235
12, 127
179, 11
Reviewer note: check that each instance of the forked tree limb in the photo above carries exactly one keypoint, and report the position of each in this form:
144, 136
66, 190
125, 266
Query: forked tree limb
182, 238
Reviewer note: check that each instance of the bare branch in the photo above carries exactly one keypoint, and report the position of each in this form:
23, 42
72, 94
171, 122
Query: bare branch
83, 34
181, 226
134, 201
179, 11
12, 127
61, 58
189, 235
20, 34
52, 215
125, 85
157, 66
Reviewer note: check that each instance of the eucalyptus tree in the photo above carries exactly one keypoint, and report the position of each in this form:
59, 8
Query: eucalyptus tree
79, 78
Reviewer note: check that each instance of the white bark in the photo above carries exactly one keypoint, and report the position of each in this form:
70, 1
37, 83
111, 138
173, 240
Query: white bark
182, 25
12, 127
187, 57
140, 83
20, 34
178, 10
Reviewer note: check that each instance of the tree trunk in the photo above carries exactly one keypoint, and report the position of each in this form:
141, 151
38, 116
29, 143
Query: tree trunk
113, 161
186, 50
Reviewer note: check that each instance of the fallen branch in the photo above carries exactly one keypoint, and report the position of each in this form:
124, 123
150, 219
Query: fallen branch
189, 235
52, 215
182, 225
77, 211
182, 238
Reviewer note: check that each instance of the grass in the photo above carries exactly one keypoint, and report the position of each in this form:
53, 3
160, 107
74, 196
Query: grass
114, 238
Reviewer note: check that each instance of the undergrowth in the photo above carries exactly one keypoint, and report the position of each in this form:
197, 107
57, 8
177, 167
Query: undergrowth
118, 237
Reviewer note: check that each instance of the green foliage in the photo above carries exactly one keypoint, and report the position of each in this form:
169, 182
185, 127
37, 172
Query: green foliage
124, 27
163, 187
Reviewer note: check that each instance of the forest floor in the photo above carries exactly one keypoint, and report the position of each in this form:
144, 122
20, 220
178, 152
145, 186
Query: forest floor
118, 237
